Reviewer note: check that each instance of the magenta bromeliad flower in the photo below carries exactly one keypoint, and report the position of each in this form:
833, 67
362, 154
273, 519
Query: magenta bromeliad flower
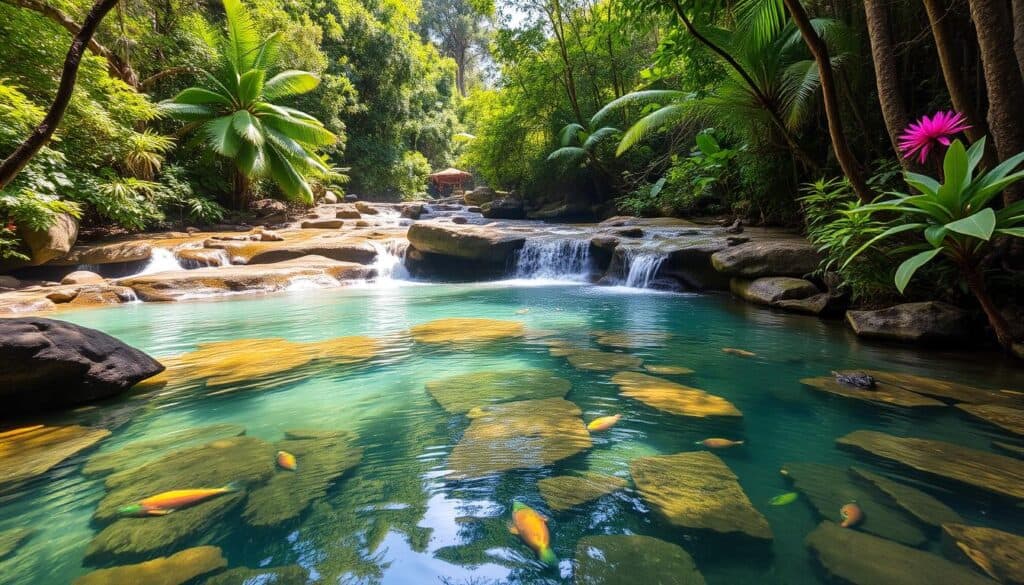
920, 137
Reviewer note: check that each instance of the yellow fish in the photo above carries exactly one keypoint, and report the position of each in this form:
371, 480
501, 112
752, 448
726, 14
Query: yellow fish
533, 529
286, 460
851, 514
603, 423
167, 502
716, 443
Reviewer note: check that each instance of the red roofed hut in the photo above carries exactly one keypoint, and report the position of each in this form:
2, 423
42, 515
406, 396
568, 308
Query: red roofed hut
450, 180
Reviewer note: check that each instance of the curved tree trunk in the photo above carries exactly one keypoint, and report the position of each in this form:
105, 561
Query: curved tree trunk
847, 160
994, 26
118, 68
883, 53
13, 164
1018, 33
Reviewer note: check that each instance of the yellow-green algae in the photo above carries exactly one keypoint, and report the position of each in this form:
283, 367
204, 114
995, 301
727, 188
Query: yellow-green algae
462, 392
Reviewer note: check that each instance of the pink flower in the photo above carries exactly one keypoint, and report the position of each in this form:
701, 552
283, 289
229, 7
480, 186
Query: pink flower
920, 137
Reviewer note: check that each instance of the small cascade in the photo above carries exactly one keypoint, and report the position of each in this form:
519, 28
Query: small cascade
553, 259
390, 262
161, 260
641, 267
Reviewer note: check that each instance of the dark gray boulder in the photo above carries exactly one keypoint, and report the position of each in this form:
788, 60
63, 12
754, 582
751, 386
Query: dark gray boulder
504, 208
929, 322
47, 364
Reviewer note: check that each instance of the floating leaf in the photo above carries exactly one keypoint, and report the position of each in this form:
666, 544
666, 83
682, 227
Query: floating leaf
783, 499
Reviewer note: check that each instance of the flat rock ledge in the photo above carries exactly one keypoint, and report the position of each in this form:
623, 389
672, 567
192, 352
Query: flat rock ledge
698, 491
673, 398
631, 559
928, 322
925, 508
774, 257
999, 554
854, 557
981, 470
770, 290
29, 452
563, 492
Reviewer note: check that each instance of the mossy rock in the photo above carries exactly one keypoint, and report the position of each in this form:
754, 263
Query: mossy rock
829, 488
29, 452
288, 575
946, 389
176, 569
320, 462
596, 360
666, 370
999, 554
632, 559
466, 330
882, 393
138, 453
922, 506
567, 491
516, 435
1007, 418
11, 540
671, 397
851, 556
460, 393
631, 339
698, 491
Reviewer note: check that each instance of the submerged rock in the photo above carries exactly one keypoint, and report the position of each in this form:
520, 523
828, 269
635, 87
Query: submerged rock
773, 257
321, 461
462, 392
662, 370
930, 322
465, 330
769, 290
138, 453
596, 360
288, 575
633, 559
515, 435
29, 452
979, 469
922, 506
830, 488
567, 491
999, 554
884, 392
11, 540
671, 397
945, 389
631, 339
176, 569
47, 364
697, 490
854, 557
1004, 417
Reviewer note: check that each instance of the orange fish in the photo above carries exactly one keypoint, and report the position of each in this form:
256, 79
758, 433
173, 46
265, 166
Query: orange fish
603, 423
739, 352
719, 443
167, 502
533, 529
851, 514
286, 460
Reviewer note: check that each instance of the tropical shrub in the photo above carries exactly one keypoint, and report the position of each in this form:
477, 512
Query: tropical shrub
412, 179
954, 221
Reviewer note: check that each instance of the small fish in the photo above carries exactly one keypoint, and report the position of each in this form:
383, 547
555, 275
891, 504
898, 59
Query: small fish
167, 502
739, 352
851, 514
783, 499
715, 443
533, 529
286, 460
603, 423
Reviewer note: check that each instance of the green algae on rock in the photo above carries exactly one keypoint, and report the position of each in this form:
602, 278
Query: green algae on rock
29, 452
11, 539
697, 490
462, 392
663, 370
999, 554
829, 488
671, 397
978, 469
176, 569
883, 392
926, 508
465, 330
138, 453
598, 361
515, 435
631, 559
321, 461
567, 491
852, 556
287, 575
631, 339
1004, 417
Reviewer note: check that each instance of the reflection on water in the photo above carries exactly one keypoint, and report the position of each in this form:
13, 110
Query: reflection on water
401, 479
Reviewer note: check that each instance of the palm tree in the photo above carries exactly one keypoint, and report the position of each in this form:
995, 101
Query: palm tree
237, 117
579, 145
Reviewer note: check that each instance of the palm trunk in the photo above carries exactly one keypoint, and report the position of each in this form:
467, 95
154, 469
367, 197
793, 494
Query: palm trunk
1018, 33
847, 160
994, 26
242, 191
14, 163
976, 284
883, 53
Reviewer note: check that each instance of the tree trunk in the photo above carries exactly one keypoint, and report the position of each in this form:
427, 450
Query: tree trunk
887, 79
242, 190
847, 160
976, 284
117, 66
1003, 81
14, 163
1018, 33
460, 72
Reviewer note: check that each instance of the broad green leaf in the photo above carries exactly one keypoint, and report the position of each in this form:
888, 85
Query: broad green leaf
187, 112
906, 270
250, 160
648, 124
886, 234
306, 133
935, 234
243, 38
248, 127
289, 83
1015, 232
201, 96
250, 86
286, 177
980, 225
222, 137
567, 154
974, 155
707, 144
922, 183
570, 135
955, 170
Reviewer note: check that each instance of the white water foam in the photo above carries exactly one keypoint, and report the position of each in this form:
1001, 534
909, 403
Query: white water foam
390, 262
641, 267
161, 260
553, 260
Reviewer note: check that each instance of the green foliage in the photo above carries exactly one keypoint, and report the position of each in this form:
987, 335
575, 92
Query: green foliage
414, 172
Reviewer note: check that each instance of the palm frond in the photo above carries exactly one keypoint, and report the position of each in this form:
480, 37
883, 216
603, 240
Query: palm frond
599, 135
571, 134
286, 177
187, 112
568, 155
289, 83
656, 120
242, 38
638, 98
761, 20
301, 131
222, 137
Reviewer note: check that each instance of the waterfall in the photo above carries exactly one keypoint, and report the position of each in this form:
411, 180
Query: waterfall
390, 262
641, 267
553, 259
161, 260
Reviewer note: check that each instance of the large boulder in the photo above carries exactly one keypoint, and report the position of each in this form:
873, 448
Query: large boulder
772, 289
110, 253
330, 198
504, 208
929, 322
480, 195
47, 364
483, 244
269, 211
51, 243
83, 277
366, 209
773, 257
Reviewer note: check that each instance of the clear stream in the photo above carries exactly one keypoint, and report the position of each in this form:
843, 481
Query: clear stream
397, 518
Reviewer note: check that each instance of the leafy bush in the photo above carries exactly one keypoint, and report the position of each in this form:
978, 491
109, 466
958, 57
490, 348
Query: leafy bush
411, 176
